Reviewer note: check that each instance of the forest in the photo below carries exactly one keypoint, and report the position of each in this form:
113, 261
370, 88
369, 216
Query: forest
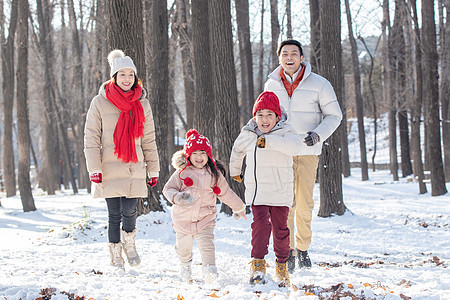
203, 64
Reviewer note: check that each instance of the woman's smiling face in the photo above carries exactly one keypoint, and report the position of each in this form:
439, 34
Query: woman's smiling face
125, 79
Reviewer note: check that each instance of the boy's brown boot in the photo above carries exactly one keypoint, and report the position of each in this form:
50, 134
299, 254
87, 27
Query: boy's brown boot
258, 274
282, 274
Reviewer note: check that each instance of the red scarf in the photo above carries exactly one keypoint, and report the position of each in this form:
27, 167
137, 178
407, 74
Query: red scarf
291, 87
130, 125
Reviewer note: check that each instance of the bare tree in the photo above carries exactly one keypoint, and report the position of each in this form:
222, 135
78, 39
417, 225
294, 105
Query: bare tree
417, 106
288, 19
389, 88
358, 95
372, 100
205, 115
431, 94
23, 137
261, 52
245, 58
184, 31
9, 174
314, 35
445, 91
224, 82
275, 30
331, 198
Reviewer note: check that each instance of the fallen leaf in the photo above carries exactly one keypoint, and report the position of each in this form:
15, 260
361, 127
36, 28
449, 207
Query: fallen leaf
213, 295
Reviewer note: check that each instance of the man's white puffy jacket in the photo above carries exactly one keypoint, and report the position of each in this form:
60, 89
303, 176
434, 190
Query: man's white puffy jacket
313, 106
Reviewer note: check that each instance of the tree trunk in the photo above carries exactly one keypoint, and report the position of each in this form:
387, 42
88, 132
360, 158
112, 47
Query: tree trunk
50, 166
445, 92
417, 107
373, 101
9, 174
205, 116
358, 96
275, 30
314, 35
431, 94
23, 137
224, 82
245, 58
288, 20
183, 29
330, 172
260, 87
81, 107
389, 86
159, 85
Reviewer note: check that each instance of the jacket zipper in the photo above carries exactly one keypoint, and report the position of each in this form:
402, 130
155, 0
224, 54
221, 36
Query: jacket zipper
254, 173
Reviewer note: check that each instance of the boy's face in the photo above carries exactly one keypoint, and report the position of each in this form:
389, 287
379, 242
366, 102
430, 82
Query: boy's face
199, 158
266, 120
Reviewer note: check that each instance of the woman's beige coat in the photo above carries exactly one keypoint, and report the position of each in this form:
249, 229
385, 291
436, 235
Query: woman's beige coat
120, 179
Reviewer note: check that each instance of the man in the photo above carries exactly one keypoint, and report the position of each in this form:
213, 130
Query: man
314, 112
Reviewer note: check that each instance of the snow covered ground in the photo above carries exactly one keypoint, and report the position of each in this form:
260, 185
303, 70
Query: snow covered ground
392, 243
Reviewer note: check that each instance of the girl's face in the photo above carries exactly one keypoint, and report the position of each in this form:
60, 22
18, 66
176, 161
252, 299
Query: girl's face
199, 159
266, 120
125, 79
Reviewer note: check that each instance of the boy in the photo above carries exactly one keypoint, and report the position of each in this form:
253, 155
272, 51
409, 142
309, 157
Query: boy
269, 144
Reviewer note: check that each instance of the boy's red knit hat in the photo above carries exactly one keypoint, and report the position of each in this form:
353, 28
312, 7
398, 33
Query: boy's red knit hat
194, 142
267, 100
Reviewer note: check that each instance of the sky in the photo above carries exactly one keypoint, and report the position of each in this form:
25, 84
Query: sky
391, 243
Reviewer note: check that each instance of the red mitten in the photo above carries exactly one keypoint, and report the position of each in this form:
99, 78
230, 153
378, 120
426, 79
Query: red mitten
95, 177
153, 181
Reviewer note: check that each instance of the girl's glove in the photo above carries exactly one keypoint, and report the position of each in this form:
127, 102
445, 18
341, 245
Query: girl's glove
183, 198
95, 176
240, 213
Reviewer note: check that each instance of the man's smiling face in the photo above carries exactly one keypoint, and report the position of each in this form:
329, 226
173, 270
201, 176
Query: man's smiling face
290, 59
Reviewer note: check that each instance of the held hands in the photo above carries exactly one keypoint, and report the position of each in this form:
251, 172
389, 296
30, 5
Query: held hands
240, 213
238, 178
261, 142
311, 138
153, 181
183, 198
95, 176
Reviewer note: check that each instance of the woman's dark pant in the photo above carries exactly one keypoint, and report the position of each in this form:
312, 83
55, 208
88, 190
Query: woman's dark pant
120, 209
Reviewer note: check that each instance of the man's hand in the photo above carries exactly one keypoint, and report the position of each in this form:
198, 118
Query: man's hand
238, 178
312, 138
95, 176
261, 142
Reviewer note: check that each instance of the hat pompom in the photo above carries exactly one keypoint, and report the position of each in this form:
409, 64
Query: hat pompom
191, 132
188, 182
217, 190
115, 54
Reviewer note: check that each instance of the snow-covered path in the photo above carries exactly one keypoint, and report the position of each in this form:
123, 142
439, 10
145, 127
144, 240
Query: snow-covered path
391, 244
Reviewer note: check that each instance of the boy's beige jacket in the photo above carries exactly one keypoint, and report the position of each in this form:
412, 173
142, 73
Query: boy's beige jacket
193, 218
120, 179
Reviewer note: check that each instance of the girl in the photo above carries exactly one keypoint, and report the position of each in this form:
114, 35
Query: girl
120, 150
193, 189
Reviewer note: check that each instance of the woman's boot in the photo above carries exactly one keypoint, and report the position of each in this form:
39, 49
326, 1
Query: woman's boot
115, 253
129, 247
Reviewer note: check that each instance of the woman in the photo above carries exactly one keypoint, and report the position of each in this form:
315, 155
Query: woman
120, 149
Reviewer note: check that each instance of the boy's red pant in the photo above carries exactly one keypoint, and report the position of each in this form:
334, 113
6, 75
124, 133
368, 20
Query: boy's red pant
267, 219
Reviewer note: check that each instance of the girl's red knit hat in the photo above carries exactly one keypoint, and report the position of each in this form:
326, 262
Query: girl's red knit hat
267, 100
195, 142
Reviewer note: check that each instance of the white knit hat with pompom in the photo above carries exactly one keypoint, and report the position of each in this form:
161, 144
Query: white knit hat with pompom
118, 61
